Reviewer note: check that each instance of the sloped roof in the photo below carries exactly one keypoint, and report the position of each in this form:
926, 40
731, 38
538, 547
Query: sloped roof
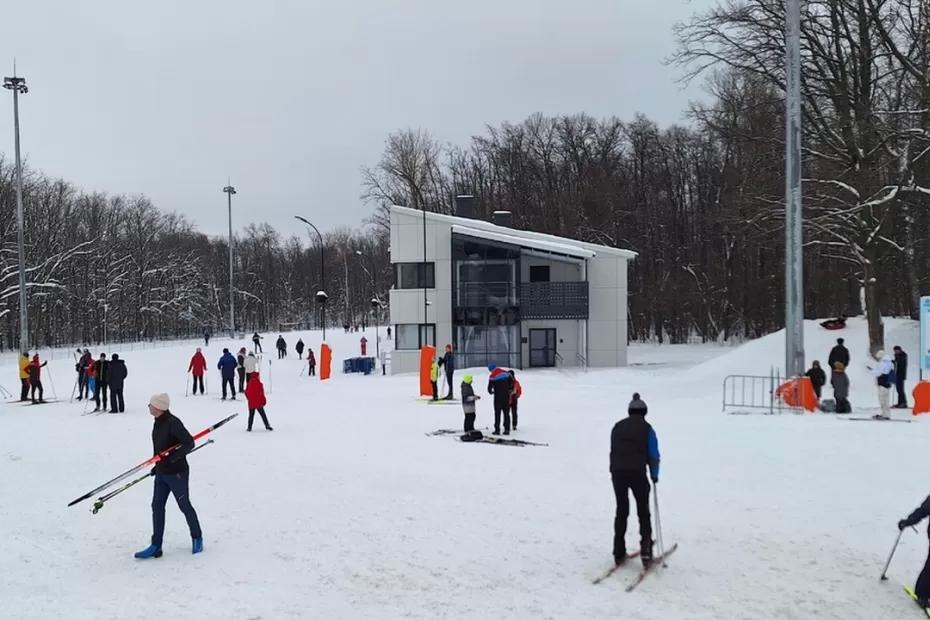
522, 238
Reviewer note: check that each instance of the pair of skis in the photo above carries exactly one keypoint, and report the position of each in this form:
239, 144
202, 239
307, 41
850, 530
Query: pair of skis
659, 560
149, 462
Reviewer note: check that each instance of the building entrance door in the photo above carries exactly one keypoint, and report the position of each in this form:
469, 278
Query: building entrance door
542, 348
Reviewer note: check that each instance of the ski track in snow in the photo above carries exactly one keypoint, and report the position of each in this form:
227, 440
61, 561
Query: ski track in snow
347, 510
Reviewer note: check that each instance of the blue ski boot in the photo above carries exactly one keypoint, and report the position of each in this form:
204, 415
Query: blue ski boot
196, 545
149, 552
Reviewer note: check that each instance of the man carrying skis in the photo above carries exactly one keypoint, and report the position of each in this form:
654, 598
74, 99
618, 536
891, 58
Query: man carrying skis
922, 587
172, 476
633, 446
197, 367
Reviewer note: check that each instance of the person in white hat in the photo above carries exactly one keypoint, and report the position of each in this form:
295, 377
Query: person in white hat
172, 476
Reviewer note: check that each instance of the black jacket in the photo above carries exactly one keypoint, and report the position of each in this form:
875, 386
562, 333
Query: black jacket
839, 353
501, 387
900, 365
103, 371
169, 431
299, 346
817, 376
633, 446
116, 374
448, 362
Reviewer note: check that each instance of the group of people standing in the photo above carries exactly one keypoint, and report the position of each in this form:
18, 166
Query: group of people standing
246, 366
98, 377
889, 371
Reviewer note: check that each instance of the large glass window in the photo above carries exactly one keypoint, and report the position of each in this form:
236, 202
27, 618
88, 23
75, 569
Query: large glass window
414, 275
412, 336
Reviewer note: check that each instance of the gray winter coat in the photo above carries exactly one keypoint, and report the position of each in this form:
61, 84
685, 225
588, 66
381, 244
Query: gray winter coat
840, 383
468, 398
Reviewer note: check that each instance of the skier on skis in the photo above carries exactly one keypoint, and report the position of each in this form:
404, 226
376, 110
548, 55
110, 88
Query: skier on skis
633, 445
240, 368
311, 362
255, 395
884, 379
500, 384
35, 378
251, 366
103, 376
197, 367
227, 367
257, 341
922, 587
172, 476
24, 376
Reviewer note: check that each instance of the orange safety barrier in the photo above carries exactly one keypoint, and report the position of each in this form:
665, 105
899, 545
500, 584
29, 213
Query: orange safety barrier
326, 361
427, 355
921, 394
798, 393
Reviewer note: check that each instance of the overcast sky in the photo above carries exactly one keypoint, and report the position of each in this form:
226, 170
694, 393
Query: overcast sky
290, 99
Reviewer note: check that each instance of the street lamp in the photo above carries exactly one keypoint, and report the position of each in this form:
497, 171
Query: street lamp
230, 190
18, 86
321, 295
376, 310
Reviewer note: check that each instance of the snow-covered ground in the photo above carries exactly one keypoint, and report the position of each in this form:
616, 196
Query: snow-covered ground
347, 510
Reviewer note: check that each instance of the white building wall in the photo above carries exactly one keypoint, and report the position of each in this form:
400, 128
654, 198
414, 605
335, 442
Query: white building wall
607, 323
566, 338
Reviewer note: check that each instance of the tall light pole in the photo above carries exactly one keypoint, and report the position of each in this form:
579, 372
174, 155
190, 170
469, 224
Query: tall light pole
321, 295
18, 85
230, 190
794, 276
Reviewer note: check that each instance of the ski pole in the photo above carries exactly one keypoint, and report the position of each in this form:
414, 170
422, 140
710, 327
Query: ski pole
74, 390
655, 490
897, 540
103, 499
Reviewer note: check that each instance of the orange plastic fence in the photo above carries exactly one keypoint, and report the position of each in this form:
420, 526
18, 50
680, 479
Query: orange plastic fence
427, 354
921, 394
326, 362
798, 393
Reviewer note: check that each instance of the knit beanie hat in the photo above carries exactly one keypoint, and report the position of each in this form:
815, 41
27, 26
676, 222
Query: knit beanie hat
160, 401
637, 406
467, 379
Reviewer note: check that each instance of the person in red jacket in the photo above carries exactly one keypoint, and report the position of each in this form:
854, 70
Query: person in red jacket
255, 395
514, 397
35, 378
197, 367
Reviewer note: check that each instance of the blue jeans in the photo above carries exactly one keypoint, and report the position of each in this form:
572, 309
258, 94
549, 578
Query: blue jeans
177, 484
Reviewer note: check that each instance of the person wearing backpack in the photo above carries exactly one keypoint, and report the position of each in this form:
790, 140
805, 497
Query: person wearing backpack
884, 379
468, 402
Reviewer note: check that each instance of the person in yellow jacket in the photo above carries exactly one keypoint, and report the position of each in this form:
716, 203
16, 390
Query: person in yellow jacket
24, 375
434, 378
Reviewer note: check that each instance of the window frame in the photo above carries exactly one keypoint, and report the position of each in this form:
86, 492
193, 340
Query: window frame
425, 275
425, 333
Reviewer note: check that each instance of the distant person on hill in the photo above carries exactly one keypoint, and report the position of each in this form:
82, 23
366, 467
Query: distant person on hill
500, 384
197, 367
922, 587
311, 362
514, 397
900, 373
255, 396
282, 348
116, 377
24, 376
840, 382
251, 366
633, 445
300, 348
35, 379
839, 353
257, 342
206, 338
468, 402
883, 372
817, 376
227, 367
240, 368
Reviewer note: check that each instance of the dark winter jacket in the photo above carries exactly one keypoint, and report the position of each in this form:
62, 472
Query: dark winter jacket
35, 370
227, 365
839, 353
311, 359
840, 383
468, 397
500, 384
240, 361
447, 361
281, 343
169, 431
300, 347
817, 376
116, 374
900, 365
919, 514
633, 446
103, 370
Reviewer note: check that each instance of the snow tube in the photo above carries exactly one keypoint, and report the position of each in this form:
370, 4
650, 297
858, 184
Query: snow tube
798, 393
921, 394
427, 354
833, 324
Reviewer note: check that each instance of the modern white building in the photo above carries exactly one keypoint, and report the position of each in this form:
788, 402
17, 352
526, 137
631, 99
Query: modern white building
497, 294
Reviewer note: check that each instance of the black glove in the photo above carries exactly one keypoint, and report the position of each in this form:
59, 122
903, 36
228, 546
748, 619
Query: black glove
902, 524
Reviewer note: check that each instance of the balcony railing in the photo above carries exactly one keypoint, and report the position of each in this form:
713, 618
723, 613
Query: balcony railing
536, 300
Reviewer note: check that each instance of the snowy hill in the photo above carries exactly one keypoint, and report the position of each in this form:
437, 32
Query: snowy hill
349, 510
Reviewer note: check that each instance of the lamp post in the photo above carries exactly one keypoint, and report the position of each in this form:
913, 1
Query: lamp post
374, 281
18, 86
230, 190
376, 310
794, 276
321, 295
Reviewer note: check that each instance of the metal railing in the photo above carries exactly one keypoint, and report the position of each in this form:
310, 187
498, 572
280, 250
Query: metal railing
754, 392
554, 300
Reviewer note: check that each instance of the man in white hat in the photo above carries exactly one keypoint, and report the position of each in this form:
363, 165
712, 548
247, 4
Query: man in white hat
172, 475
